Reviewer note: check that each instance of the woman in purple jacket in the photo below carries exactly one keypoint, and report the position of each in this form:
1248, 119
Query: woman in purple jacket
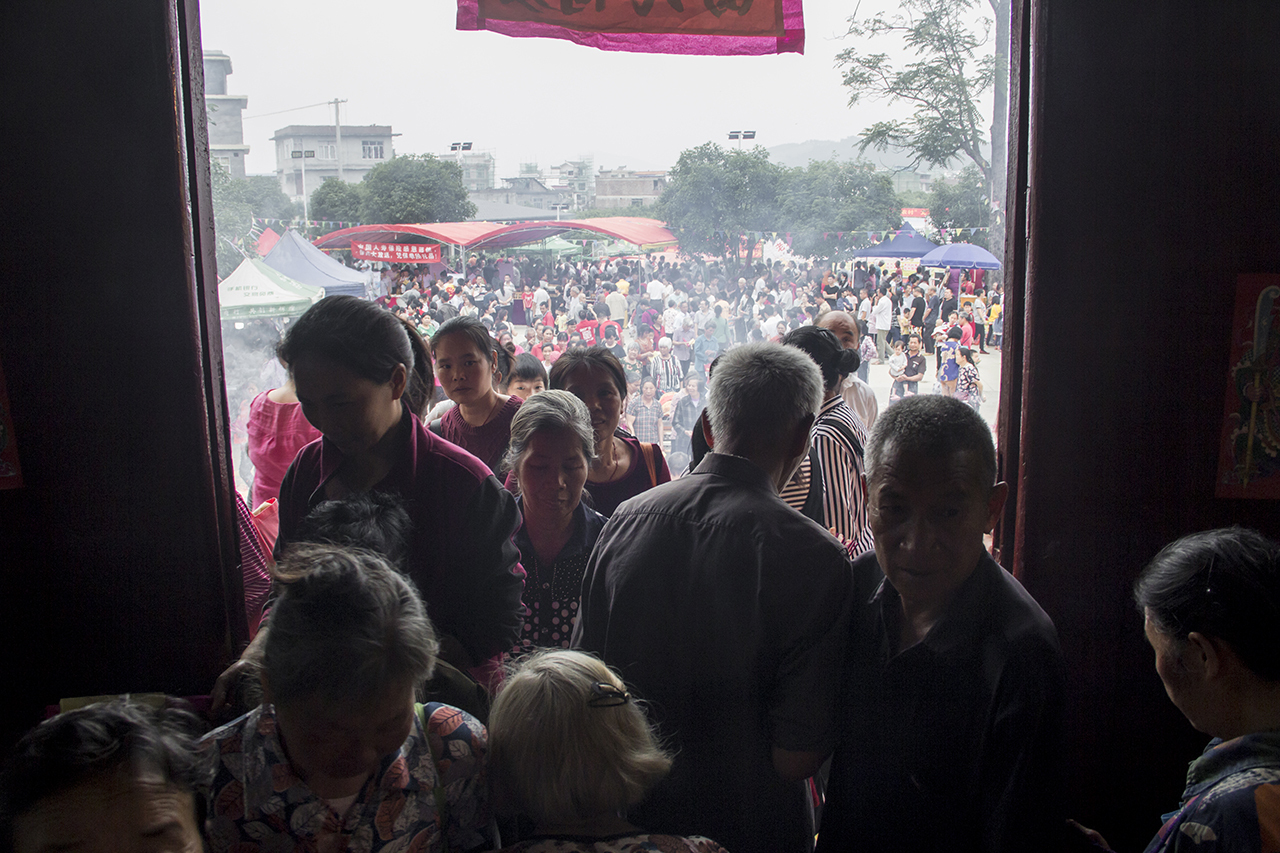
364, 378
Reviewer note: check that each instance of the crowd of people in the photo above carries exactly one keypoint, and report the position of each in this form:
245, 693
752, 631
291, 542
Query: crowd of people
493, 619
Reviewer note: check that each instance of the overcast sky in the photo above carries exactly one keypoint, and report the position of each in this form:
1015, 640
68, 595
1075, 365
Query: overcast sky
402, 62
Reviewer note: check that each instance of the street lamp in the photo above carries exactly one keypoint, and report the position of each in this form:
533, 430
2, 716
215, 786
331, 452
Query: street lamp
299, 154
740, 135
460, 146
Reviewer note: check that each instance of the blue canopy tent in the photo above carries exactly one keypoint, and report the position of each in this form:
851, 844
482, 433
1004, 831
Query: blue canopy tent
301, 261
907, 242
961, 256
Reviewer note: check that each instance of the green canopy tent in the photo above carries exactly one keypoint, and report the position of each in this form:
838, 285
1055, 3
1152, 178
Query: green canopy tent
256, 290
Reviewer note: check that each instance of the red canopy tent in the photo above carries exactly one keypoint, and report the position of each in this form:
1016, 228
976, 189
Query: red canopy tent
645, 233
450, 233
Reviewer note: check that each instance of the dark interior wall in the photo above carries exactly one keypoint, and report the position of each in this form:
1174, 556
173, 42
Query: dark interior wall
111, 556
1155, 179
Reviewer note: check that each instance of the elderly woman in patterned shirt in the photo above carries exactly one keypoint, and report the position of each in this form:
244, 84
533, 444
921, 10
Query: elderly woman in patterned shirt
552, 446
339, 757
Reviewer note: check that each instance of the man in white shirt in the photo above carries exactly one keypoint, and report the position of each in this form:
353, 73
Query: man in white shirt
882, 316
655, 289
672, 318
864, 306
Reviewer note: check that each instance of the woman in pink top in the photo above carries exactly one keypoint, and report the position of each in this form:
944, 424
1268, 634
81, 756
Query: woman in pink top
277, 431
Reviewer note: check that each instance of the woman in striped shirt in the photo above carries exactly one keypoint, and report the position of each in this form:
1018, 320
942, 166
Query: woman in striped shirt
838, 437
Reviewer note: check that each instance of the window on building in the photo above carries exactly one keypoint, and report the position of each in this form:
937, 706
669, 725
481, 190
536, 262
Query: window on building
224, 159
637, 202
372, 149
327, 151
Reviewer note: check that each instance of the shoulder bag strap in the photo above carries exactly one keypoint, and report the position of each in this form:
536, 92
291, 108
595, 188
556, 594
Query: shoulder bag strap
646, 448
844, 430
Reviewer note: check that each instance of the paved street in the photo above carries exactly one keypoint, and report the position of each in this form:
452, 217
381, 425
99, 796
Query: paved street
988, 366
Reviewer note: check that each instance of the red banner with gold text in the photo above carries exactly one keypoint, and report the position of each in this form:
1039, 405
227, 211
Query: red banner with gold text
396, 253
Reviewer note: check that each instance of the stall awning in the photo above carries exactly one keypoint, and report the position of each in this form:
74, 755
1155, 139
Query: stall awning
645, 233
450, 233
256, 290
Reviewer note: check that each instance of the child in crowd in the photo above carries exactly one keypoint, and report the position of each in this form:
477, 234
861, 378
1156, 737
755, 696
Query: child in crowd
897, 367
527, 377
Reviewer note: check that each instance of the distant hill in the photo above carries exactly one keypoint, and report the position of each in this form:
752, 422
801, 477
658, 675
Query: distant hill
800, 153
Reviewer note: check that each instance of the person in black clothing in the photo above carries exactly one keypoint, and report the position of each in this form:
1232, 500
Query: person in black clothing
949, 303
933, 305
954, 697
726, 609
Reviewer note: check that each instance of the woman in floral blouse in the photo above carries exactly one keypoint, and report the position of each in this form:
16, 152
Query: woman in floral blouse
339, 757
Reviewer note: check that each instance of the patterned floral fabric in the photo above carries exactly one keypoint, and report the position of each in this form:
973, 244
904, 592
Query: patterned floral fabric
551, 590
255, 802
1232, 800
639, 842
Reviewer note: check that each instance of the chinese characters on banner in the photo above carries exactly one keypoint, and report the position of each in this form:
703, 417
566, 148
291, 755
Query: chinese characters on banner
399, 253
708, 27
10, 472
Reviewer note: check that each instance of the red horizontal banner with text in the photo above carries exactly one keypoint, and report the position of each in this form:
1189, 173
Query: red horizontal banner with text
711, 27
401, 253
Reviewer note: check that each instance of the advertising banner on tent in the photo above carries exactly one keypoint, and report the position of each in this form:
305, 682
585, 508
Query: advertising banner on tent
708, 27
400, 253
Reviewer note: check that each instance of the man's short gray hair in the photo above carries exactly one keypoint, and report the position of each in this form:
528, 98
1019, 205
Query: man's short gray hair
761, 390
550, 411
931, 425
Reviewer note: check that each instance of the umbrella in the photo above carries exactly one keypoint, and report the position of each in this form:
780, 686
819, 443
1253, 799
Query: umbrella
961, 256
905, 243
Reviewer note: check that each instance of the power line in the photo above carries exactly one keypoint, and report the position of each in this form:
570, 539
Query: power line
290, 110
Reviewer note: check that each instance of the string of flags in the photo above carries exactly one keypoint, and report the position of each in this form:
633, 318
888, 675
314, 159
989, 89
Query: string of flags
305, 223
853, 236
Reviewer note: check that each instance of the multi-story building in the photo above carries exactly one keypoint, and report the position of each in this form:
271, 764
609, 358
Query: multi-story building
226, 131
349, 156
577, 180
527, 191
625, 187
477, 169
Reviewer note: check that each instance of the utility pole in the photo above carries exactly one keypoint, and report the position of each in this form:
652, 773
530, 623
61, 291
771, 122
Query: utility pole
337, 130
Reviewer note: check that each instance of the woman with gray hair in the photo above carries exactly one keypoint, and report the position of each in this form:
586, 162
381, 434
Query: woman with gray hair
339, 756
552, 447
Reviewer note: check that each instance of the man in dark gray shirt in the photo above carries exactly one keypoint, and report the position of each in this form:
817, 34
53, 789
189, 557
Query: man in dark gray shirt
951, 725
727, 612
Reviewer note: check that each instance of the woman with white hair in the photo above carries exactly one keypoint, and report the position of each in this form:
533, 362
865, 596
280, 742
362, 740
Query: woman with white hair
575, 779
552, 447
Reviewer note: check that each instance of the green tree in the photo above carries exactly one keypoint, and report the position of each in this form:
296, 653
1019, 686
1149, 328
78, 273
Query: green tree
961, 205
715, 194
828, 197
337, 201
232, 219
942, 85
263, 194
415, 188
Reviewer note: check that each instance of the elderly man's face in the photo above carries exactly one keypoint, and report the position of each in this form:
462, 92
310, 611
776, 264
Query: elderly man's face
122, 809
929, 514
842, 329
